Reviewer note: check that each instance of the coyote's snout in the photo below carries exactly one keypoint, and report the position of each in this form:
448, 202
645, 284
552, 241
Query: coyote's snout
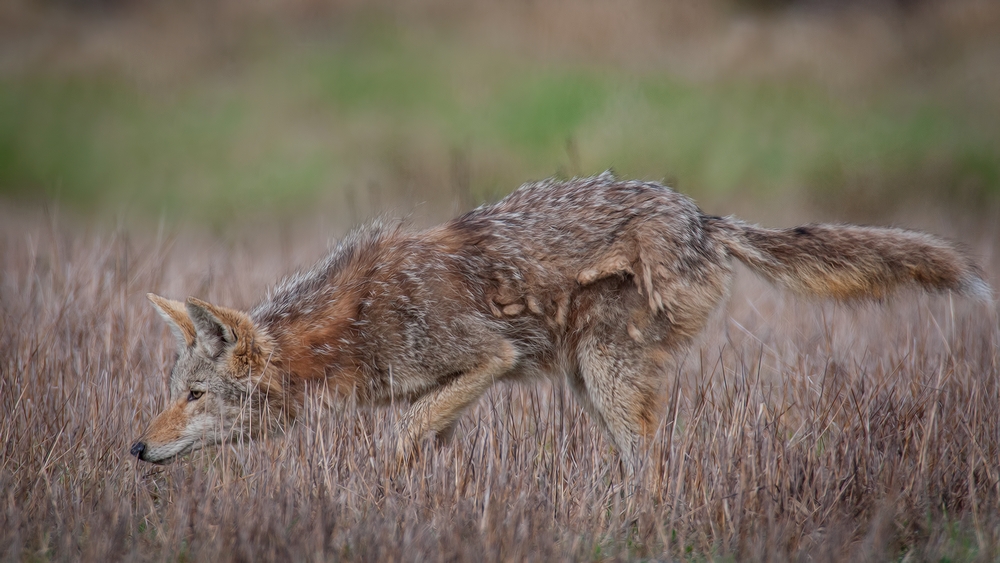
596, 280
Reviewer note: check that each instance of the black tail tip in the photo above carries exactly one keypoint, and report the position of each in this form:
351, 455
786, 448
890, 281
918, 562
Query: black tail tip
137, 449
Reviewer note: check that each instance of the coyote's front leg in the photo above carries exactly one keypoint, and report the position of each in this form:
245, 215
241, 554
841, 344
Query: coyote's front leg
438, 410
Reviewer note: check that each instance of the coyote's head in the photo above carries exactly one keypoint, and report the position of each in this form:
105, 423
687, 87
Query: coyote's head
219, 387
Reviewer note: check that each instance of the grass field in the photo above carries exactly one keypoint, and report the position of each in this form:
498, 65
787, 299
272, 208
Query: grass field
796, 430
209, 150
210, 118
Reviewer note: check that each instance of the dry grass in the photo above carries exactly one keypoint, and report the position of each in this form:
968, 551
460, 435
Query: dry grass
796, 430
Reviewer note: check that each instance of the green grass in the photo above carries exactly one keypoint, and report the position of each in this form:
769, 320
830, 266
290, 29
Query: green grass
296, 122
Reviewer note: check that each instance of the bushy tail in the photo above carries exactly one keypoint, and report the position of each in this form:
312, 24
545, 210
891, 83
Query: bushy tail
849, 262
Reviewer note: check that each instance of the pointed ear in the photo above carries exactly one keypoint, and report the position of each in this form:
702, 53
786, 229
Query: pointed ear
218, 328
177, 318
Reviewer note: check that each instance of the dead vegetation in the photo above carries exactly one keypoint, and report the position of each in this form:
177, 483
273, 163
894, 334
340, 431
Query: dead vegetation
797, 430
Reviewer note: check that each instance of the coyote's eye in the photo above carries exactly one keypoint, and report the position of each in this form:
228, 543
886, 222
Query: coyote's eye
195, 395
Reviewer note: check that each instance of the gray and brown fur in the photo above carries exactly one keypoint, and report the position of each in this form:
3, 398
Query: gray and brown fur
597, 280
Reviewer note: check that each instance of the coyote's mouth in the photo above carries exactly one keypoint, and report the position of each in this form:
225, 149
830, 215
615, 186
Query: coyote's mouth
163, 454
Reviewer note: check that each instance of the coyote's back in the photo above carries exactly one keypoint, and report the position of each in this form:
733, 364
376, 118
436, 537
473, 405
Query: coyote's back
597, 280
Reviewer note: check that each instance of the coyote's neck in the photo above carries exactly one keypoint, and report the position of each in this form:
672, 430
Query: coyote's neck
313, 319
316, 346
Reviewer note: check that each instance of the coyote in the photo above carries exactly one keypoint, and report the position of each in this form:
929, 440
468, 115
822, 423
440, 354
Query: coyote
597, 280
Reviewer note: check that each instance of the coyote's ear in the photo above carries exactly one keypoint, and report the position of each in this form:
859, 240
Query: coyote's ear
218, 328
177, 318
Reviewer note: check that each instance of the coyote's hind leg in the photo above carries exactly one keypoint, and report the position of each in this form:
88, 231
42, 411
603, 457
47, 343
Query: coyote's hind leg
620, 382
439, 409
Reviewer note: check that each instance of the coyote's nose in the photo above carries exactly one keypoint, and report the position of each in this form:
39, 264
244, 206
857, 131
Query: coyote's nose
137, 449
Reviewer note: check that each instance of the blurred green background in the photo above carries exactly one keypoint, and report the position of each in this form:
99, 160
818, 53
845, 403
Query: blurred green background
224, 111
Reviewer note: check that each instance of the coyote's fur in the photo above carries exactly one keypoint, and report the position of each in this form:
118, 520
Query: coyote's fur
597, 280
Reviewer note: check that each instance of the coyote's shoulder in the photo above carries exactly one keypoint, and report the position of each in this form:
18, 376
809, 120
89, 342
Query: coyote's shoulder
597, 280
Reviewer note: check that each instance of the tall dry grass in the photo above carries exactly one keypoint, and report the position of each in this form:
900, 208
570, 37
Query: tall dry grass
795, 430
